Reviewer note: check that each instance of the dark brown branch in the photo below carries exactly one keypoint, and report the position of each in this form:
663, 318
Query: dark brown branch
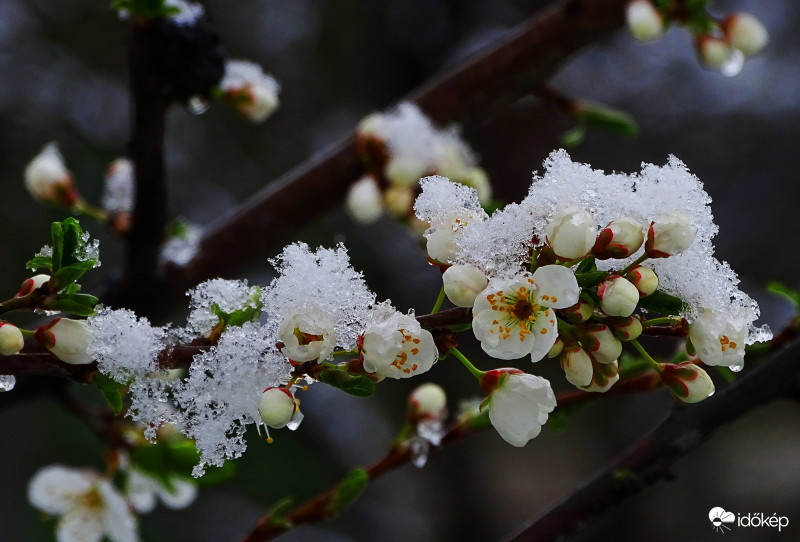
515, 66
648, 460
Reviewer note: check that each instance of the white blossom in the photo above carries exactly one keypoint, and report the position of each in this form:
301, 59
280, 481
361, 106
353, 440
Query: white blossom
307, 336
143, 491
398, 347
519, 405
463, 283
719, 338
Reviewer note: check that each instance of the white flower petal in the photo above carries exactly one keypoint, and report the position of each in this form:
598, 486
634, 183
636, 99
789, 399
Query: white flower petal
520, 406
141, 491
117, 520
80, 525
55, 489
558, 287
545, 331
185, 493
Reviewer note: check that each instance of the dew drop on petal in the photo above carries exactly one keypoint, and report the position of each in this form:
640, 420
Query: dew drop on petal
735, 368
733, 64
419, 452
296, 420
197, 105
710, 393
7, 382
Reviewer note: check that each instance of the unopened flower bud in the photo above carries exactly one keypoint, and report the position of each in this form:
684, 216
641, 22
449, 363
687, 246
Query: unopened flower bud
463, 283
399, 200
618, 297
276, 407
713, 52
644, 21
644, 278
48, 180
669, 234
619, 239
30, 284
601, 343
745, 32
364, 203
571, 233
66, 339
405, 170
427, 402
577, 366
11, 340
579, 312
626, 329
604, 376
687, 382
248, 89
556, 349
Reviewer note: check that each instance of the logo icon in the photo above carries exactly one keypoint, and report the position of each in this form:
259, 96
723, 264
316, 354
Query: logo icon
719, 517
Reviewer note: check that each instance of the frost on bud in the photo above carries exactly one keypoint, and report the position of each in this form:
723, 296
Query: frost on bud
601, 343
463, 283
307, 337
519, 404
427, 402
399, 200
604, 376
48, 180
644, 278
626, 329
66, 339
11, 340
247, 88
619, 239
644, 21
719, 339
618, 297
29, 285
119, 191
577, 365
571, 233
442, 238
670, 233
687, 382
364, 201
276, 407
745, 33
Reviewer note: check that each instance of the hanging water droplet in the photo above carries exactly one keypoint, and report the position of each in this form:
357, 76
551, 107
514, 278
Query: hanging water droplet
733, 64
735, 368
710, 393
197, 105
7, 382
431, 430
419, 452
297, 418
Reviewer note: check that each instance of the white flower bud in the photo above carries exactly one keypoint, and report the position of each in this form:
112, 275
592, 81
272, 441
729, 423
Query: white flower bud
687, 382
605, 375
11, 340
571, 233
119, 191
399, 200
364, 203
30, 284
626, 329
670, 233
276, 407
644, 278
48, 180
745, 32
644, 21
557, 348
252, 92
601, 343
577, 366
713, 52
405, 170
619, 239
618, 297
719, 338
66, 339
427, 401
463, 283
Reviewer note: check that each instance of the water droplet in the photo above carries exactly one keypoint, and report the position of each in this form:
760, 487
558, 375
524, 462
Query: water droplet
735, 368
710, 393
431, 430
733, 64
197, 105
296, 420
7, 382
419, 452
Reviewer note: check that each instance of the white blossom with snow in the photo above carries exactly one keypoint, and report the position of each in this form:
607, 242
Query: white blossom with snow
251, 91
719, 338
396, 346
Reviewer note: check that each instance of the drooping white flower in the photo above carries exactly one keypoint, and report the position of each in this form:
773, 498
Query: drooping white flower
687, 382
514, 317
11, 340
307, 337
519, 404
644, 21
745, 32
66, 339
398, 347
276, 406
48, 179
669, 234
618, 297
363, 202
571, 233
463, 283
89, 506
144, 491
719, 338
251, 91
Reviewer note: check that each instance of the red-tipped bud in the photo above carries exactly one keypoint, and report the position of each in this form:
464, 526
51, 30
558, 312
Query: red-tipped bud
618, 297
626, 329
687, 382
644, 278
619, 239
577, 365
601, 343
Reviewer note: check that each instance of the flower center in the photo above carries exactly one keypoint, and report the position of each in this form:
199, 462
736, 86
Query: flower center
305, 338
523, 309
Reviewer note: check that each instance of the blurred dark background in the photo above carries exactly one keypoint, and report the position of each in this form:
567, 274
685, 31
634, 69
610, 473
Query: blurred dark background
64, 78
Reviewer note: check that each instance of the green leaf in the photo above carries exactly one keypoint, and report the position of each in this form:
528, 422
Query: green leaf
40, 263
573, 138
606, 118
277, 514
78, 304
354, 384
72, 272
57, 237
782, 290
111, 390
73, 245
591, 278
348, 492
662, 303
588, 265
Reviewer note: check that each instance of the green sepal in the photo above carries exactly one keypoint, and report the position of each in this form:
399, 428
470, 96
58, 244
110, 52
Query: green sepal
478, 421
662, 303
348, 492
72, 272
77, 304
111, 390
630, 365
557, 420
40, 263
277, 514
250, 313
591, 278
574, 137
148, 9
351, 383
606, 118
588, 265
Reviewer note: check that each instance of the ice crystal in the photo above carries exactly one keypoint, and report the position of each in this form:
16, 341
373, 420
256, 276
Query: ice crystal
119, 190
228, 295
124, 346
180, 249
